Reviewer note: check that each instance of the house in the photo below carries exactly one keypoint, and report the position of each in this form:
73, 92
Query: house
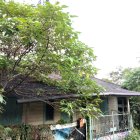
29, 103
115, 98
24, 106
116, 122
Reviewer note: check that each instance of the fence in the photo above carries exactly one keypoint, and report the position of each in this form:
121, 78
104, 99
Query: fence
110, 125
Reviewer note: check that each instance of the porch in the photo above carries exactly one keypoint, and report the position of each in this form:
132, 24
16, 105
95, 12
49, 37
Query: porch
111, 127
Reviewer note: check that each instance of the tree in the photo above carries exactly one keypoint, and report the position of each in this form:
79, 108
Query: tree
38, 41
116, 76
119, 75
132, 80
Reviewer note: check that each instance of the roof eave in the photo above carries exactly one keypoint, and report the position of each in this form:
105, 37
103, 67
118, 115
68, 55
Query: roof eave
119, 94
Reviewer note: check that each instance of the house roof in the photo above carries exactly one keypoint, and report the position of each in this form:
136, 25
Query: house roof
114, 89
31, 90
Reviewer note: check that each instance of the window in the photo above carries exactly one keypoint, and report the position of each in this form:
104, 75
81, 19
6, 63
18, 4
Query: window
49, 113
122, 105
104, 105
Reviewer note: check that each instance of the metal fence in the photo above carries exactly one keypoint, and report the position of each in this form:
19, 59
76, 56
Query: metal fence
110, 125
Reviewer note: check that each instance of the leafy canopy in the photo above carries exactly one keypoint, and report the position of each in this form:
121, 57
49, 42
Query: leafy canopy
132, 80
38, 41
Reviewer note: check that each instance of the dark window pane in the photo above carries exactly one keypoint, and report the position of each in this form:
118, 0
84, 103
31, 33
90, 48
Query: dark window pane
49, 112
119, 101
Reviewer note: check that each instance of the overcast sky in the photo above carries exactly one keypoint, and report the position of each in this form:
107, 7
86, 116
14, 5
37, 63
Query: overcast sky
111, 28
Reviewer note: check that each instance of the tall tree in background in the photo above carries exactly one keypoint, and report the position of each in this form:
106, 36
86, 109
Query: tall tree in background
116, 76
132, 80
39, 41
119, 75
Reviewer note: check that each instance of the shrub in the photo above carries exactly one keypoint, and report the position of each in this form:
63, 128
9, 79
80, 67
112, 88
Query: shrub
135, 135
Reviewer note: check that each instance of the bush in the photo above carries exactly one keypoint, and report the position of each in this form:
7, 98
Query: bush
5, 132
26, 132
135, 135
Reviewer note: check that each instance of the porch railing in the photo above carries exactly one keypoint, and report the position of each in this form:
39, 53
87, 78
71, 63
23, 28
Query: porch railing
110, 125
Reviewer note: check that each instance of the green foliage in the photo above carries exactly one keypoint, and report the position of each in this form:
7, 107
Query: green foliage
135, 135
39, 41
116, 76
87, 107
119, 75
135, 110
132, 81
5, 132
3, 63
25, 132
62, 121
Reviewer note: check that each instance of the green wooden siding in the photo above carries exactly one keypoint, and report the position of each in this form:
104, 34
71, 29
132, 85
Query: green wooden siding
12, 113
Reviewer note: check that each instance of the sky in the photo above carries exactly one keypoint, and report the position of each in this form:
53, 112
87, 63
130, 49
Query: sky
111, 28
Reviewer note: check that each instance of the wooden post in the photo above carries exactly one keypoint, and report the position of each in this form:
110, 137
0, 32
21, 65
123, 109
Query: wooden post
128, 105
